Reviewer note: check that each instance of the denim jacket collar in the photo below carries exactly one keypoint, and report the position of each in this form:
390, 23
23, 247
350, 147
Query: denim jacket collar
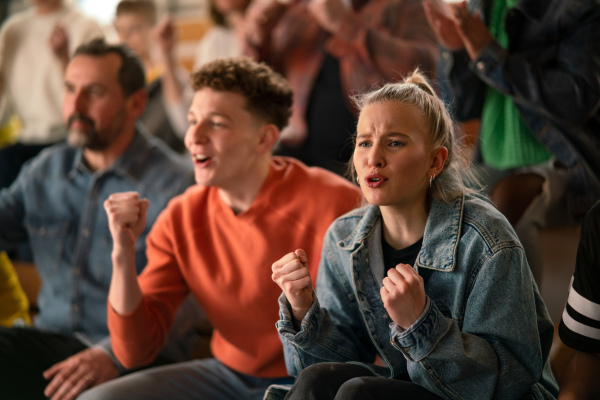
367, 224
129, 165
440, 241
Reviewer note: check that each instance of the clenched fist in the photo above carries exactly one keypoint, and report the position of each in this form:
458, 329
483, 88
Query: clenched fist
292, 275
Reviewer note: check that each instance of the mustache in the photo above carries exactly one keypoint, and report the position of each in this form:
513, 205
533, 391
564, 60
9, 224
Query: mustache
78, 116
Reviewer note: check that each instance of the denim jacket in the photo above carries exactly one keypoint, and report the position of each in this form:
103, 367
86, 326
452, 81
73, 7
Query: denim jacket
57, 204
551, 70
485, 332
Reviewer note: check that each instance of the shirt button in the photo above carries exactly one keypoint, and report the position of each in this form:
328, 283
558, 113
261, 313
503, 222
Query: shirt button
75, 307
480, 65
76, 271
85, 233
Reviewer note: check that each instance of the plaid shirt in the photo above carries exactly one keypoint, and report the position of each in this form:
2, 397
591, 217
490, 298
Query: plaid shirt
379, 41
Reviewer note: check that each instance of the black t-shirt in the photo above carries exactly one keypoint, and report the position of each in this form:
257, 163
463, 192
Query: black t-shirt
407, 255
580, 324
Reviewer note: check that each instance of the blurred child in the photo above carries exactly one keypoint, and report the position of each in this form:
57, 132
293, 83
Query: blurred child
165, 114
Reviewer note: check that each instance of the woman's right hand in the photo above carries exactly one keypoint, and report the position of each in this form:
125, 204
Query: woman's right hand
440, 18
292, 275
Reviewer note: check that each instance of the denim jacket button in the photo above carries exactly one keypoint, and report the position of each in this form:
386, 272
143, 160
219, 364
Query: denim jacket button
480, 65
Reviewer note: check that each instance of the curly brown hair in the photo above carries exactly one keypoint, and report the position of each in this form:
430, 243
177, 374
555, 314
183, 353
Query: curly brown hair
267, 93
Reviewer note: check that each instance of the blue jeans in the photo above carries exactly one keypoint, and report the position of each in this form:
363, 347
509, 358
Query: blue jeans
206, 379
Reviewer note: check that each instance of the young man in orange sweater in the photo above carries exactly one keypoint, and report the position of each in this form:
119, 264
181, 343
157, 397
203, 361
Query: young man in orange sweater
218, 240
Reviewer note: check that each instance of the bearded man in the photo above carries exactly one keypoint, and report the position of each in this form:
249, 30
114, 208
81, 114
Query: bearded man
56, 204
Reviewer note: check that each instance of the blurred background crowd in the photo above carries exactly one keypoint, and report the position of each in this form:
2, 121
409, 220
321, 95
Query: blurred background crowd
521, 79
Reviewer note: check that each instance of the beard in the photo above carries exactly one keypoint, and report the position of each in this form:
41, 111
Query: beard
88, 137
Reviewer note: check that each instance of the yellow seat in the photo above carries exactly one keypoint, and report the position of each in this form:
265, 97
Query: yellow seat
14, 305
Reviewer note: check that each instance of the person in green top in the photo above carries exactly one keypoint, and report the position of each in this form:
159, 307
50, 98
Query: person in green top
530, 71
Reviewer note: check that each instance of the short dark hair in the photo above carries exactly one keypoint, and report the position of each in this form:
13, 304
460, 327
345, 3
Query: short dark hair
131, 74
267, 93
145, 8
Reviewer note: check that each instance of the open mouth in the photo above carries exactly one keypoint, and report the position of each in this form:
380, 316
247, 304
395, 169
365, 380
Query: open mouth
201, 159
374, 180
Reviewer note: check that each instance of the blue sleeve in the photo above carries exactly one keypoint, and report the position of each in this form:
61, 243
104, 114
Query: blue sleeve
496, 353
332, 329
560, 79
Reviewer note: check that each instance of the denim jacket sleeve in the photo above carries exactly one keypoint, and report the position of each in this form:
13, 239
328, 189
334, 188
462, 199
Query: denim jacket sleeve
332, 329
556, 77
496, 353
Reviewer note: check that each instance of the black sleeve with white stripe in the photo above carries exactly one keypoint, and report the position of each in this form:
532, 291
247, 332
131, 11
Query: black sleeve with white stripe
580, 323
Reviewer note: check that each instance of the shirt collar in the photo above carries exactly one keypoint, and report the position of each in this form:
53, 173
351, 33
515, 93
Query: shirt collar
129, 165
440, 241
370, 219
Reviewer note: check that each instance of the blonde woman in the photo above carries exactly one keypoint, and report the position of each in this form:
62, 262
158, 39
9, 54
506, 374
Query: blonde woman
428, 285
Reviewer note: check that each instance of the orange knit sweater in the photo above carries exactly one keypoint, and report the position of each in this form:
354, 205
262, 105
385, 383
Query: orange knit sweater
199, 245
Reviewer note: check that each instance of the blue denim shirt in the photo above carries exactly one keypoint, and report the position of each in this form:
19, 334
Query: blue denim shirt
57, 203
551, 70
485, 332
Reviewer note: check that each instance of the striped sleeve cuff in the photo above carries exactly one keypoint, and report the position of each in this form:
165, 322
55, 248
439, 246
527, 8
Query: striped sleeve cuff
580, 323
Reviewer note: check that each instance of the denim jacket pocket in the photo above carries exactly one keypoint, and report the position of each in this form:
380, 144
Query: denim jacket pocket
47, 237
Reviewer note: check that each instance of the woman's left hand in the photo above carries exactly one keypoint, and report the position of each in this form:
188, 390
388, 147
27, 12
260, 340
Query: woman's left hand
403, 295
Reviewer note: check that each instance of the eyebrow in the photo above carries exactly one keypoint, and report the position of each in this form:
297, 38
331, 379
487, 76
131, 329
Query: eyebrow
69, 84
386, 135
212, 114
